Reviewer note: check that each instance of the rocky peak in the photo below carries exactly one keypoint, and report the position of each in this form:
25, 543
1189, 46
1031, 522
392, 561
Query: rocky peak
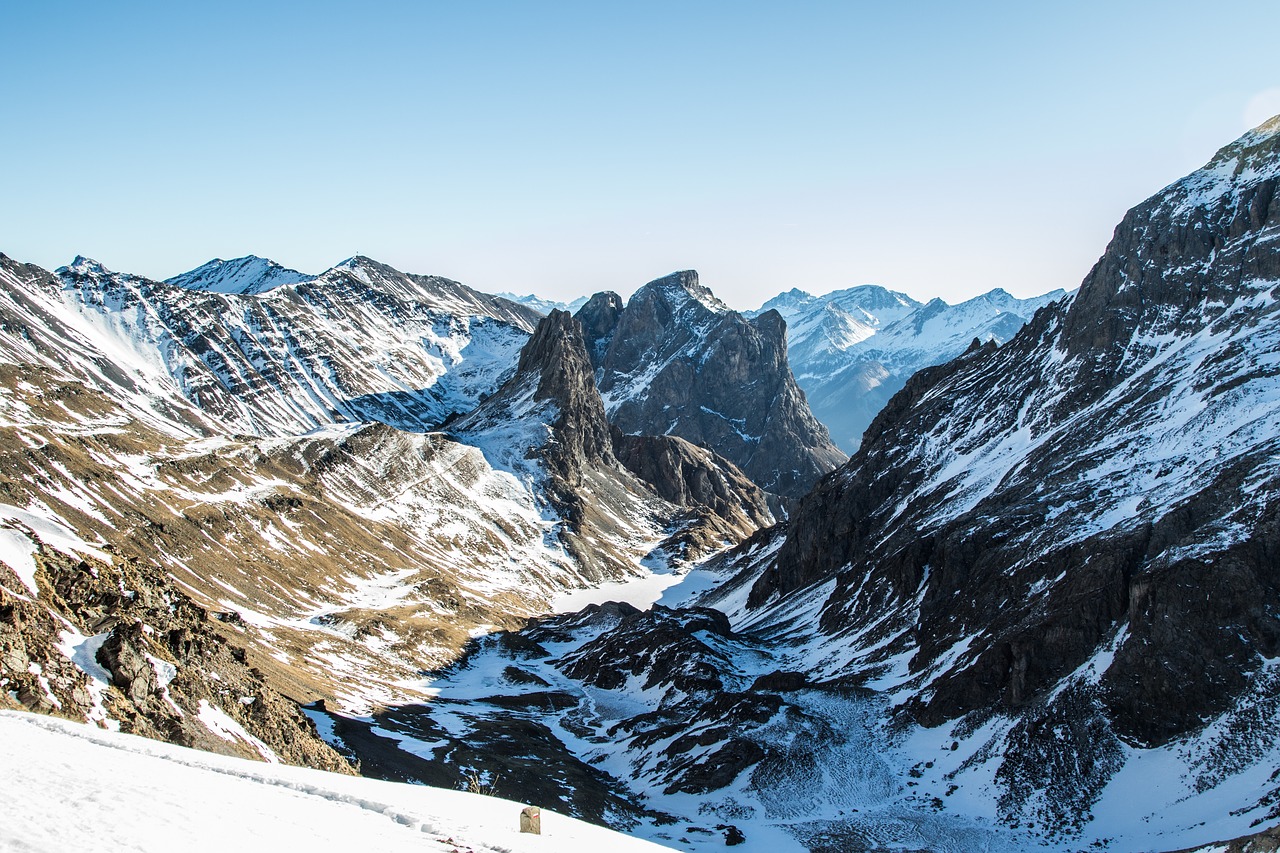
1181, 258
599, 318
794, 296
553, 383
362, 279
553, 405
85, 266
361, 272
557, 356
687, 475
365, 267
676, 361
677, 288
771, 324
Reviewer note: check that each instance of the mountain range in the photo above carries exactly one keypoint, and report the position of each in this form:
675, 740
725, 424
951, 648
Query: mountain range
326, 520
852, 350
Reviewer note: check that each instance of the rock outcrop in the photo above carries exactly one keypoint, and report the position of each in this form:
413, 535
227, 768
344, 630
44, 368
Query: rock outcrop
692, 476
117, 644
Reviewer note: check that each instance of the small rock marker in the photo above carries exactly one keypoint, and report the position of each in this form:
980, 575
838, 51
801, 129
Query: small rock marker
531, 820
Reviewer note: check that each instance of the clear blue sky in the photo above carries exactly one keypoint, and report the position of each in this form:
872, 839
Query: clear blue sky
562, 147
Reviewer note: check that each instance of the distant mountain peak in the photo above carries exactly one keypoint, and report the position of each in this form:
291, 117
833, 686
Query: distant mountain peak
790, 302
357, 262
86, 266
249, 275
362, 266
543, 306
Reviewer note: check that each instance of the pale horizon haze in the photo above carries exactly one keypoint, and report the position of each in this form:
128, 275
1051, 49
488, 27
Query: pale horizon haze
564, 148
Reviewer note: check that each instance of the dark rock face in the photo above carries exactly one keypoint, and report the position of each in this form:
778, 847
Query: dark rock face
599, 318
1090, 507
692, 476
677, 361
553, 393
557, 355
658, 635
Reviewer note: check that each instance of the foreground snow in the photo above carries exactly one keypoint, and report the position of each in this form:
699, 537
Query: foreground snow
69, 786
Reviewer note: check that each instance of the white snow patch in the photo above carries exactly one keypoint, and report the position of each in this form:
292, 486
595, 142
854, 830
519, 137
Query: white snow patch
17, 551
217, 721
641, 592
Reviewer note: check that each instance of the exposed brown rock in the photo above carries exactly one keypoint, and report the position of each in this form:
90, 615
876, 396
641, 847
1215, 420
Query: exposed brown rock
145, 627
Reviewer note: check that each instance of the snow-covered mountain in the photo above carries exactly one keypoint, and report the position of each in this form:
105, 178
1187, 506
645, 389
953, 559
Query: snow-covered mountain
1055, 552
247, 276
360, 342
544, 306
851, 350
1036, 610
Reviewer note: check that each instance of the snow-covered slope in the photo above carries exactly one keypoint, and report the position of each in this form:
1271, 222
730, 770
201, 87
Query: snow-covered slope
345, 558
851, 350
668, 724
641, 717
72, 787
1036, 611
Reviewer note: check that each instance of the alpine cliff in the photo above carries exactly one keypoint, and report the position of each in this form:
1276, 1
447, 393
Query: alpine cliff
546, 424
676, 361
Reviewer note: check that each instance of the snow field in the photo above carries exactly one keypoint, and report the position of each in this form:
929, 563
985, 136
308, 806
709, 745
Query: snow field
69, 786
